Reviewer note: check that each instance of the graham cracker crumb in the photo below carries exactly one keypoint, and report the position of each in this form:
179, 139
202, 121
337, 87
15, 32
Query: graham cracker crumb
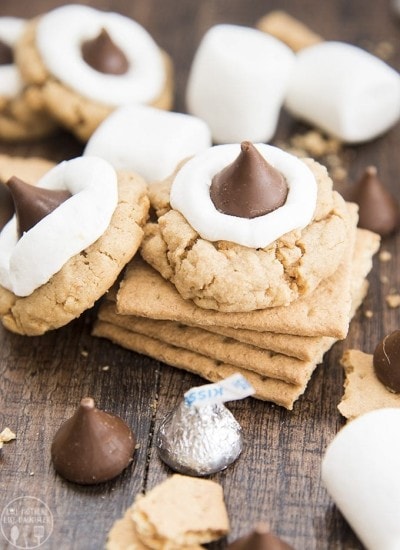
368, 313
5, 436
385, 256
384, 279
105, 368
393, 300
384, 50
84, 353
314, 143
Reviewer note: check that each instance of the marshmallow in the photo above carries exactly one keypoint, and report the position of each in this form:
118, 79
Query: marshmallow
190, 195
11, 29
237, 83
345, 91
148, 141
29, 262
361, 472
60, 34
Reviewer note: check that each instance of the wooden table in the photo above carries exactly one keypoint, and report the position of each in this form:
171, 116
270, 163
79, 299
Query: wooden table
42, 379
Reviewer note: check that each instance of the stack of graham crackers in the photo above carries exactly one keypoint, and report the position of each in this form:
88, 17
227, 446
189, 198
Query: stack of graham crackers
276, 349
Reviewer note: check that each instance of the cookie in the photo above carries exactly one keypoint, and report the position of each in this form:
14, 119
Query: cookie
230, 277
85, 276
89, 84
363, 391
145, 293
181, 512
22, 116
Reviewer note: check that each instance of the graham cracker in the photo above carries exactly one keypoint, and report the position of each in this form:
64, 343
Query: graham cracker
267, 389
217, 347
182, 512
276, 377
363, 391
289, 30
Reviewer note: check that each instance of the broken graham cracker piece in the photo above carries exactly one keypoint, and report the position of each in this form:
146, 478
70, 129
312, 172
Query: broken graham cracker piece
182, 512
363, 391
123, 536
6, 436
288, 29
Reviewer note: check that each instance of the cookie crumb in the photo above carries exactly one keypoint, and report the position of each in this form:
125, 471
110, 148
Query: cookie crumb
368, 313
84, 353
393, 300
31, 473
385, 256
105, 368
384, 279
7, 435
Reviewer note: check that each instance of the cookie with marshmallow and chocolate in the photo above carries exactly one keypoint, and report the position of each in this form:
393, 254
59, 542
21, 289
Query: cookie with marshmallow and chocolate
84, 63
246, 227
72, 234
22, 116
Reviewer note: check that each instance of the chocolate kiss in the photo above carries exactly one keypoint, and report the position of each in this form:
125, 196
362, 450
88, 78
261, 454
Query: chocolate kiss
6, 54
249, 187
33, 203
260, 539
92, 446
386, 361
6, 205
103, 55
378, 209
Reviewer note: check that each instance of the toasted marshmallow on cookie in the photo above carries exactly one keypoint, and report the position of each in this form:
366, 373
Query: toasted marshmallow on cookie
84, 63
28, 261
238, 82
11, 29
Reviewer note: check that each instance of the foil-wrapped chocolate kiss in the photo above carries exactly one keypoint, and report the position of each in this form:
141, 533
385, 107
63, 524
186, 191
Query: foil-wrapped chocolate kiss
201, 436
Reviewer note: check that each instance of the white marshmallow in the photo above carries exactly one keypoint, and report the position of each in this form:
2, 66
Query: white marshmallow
361, 472
11, 29
29, 262
345, 91
190, 195
238, 82
148, 141
60, 34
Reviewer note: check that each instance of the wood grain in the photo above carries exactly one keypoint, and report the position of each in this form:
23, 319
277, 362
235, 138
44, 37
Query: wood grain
277, 479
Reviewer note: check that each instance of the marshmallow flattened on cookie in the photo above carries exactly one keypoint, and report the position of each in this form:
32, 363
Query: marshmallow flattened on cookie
238, 82
60, 35
193, 199
345, 91
148, 141
11, 84
29, 262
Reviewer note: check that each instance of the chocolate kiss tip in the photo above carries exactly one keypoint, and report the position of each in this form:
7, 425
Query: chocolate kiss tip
88, 403
248, 187
103, 55
33, 203
262, 528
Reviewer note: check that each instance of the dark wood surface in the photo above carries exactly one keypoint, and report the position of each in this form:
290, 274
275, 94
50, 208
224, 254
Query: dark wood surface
42, 379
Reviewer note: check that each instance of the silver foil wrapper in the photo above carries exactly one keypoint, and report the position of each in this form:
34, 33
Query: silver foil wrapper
199, 441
